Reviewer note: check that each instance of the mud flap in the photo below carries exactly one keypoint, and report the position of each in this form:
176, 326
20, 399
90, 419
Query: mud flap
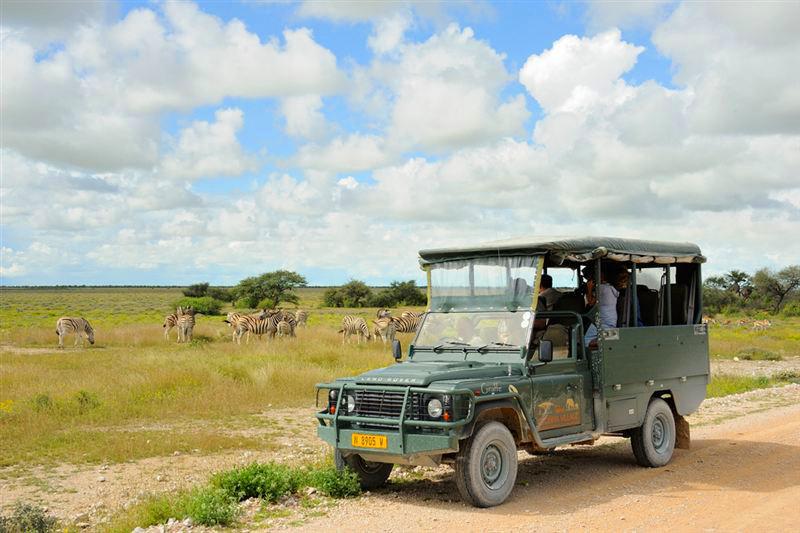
683, 438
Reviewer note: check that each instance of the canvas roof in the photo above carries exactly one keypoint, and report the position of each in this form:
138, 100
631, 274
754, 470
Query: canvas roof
577, 249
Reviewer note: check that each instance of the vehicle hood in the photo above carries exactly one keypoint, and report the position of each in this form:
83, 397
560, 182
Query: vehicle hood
424, 373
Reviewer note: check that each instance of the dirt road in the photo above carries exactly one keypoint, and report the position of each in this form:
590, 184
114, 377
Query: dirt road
741, 475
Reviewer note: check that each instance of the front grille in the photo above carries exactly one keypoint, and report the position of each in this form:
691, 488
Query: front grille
388, 404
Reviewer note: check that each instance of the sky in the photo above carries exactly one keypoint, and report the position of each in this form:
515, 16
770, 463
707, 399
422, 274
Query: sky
166, 142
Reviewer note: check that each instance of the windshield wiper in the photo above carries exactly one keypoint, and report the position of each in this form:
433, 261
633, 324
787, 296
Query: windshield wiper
483, 349
439, 347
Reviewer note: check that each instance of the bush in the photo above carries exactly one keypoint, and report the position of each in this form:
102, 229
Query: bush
86, 401
333, 297
42, 402
205, 305
791, 309
268, 481
198, 290
757, 354
334, 483
220, 293
26, 518
211, 506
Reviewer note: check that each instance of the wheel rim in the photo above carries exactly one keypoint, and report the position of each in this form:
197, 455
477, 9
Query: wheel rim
494, 469
659, 434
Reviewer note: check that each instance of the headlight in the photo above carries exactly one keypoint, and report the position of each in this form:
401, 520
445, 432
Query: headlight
351, 403
332, 394
434, 408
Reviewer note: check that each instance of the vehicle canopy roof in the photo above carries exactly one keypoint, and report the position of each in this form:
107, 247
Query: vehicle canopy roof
573, 250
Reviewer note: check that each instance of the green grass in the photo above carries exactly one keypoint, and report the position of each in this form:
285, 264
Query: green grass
779, 341
215, 503
135, 395
725, 385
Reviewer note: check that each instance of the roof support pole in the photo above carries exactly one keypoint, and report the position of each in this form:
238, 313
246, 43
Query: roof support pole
668, 295
632, 285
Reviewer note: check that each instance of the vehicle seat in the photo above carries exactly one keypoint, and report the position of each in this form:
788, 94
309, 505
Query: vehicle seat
679, 295
648, 304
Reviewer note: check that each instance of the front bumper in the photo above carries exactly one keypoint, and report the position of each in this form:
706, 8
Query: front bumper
406, 437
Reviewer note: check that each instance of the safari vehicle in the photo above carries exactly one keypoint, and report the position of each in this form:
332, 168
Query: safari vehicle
494, 368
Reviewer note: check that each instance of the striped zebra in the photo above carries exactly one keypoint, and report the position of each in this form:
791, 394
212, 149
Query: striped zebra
186, 323
258, 325
78, 326
170, 321
301, 317
410, 314
354, 325
279, 315
383, 313
233, 317
284, 328
408, 323
384, 329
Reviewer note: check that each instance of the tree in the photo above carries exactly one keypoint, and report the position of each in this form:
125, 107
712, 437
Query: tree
333, 297
355, 293
198, 290
775, 287
269, 289
739, 283
407, 293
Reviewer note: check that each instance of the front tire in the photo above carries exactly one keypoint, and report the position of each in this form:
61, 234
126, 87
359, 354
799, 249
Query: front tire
370, 475
486, 466
654, 441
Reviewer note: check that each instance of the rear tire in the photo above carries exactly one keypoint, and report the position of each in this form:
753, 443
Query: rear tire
654, 441
486, 466
370, 475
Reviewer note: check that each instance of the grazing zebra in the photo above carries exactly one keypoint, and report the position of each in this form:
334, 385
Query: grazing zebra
284, 328
185, 323
384, 313
407, 324
78, 326
170, 321
301, 317
384, 329
410, 314
233, 317
279, 315
260, 324
354, 325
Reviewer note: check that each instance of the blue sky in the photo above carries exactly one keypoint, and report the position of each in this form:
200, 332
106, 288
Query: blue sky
172, 142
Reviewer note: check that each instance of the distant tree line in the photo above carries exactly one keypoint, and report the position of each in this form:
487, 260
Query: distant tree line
775, 291
271, 289
358, 294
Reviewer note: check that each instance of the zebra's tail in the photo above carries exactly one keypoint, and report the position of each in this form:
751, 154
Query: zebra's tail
340, 331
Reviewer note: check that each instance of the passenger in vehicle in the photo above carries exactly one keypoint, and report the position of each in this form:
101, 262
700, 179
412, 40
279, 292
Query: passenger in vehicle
623, 301
606, 297
548, 293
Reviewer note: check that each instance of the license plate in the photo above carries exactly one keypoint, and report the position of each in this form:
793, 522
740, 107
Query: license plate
360, 440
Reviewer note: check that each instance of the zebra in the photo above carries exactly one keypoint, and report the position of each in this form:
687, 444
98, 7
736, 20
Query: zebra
78, 326
284, 328
301, 317
384, 329
411, 314
354, 325
258, 325
408, 323
186, 323
233, 317
170, 321
383, 313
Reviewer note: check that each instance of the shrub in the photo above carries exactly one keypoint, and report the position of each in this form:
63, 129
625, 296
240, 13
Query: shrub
757, 354
333, 297
27, 518
791, 309
334, 483
269, 481
198, 290
220, 293
205, 305
86, 401
211, 506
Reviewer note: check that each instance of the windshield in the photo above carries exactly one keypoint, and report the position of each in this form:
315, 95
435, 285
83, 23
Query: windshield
484, 329
483, 284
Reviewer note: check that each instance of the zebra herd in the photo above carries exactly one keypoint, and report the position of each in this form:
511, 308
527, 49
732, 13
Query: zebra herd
270, 322
386, 326
183, 319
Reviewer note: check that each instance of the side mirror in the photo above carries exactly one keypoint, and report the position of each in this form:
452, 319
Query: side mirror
545, 351
397, 351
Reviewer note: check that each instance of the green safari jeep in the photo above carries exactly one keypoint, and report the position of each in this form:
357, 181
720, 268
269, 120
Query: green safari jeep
531, 344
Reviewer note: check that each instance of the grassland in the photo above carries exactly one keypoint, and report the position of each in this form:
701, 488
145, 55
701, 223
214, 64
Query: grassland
135, 395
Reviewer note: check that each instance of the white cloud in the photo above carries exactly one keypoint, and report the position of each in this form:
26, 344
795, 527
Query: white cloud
347, 10
304, 117
208, 149
626, 14
387, 35
577, 73
344, 154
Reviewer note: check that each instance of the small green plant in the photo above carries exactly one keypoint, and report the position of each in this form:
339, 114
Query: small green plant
334, 483
86, 401
27, 518
269, 481
42, 402
757, 354
211, 506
